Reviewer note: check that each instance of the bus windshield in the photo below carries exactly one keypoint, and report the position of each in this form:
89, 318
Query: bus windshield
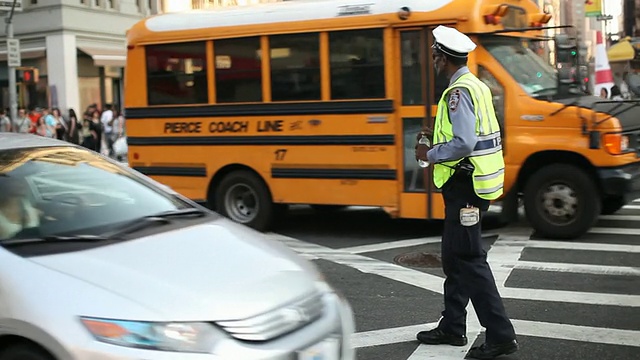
533, 74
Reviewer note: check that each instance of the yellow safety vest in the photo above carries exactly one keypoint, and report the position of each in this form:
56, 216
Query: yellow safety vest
488, 176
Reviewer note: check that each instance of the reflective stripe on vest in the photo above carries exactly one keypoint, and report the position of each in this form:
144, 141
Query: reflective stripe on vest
486, 157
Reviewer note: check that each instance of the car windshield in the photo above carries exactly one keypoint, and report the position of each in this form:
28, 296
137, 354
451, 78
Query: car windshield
65, 190
533, 74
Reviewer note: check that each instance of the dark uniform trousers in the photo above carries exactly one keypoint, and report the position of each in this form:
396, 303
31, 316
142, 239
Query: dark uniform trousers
464, 262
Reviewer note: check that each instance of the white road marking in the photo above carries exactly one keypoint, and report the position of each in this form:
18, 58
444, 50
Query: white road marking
367, 265
632, 207
507, 249
503, 257
389, 335
577, 333
620, 217
391, 245
570, 296
614, 231
572, 268
562, 245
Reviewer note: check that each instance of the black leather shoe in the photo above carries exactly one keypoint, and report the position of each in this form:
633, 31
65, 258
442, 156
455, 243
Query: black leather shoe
437, 337
490, 351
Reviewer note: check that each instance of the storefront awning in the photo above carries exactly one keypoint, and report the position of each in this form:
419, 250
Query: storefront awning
622, 51
106, 56
33, 53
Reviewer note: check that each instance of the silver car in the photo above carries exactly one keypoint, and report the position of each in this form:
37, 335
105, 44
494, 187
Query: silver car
100, 262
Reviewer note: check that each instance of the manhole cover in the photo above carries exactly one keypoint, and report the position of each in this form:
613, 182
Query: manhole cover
418, 259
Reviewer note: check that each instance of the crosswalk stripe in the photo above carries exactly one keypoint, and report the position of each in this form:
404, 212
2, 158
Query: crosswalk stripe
543, 244
572, 268
389, 336
620, 217
577, 333
391, 245
614, 231
574, 297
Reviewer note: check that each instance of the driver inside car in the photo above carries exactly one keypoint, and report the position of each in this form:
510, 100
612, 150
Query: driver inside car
16, 211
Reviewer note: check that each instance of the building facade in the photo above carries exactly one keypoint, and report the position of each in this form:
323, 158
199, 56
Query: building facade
78, 48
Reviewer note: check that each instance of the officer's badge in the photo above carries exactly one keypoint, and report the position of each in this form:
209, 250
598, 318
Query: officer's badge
454, 99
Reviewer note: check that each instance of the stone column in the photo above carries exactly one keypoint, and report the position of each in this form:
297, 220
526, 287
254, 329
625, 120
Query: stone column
62, 71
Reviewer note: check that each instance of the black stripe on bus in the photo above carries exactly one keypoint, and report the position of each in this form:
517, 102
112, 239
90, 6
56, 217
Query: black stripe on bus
262, 140
172, 171
265, 109
356, 174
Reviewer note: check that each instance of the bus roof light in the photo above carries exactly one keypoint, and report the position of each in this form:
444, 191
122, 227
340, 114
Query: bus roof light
501, 10
492, 19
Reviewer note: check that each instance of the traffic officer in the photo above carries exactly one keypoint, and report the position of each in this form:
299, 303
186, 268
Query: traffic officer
469, 168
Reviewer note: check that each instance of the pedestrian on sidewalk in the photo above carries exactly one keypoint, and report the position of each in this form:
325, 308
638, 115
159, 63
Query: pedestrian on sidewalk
469, 168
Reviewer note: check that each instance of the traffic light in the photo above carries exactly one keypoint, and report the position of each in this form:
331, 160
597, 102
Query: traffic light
567, 61
566, 50
29, 76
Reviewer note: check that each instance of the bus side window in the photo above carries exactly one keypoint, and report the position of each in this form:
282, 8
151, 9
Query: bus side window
238, 70
295, 67
497, 91
357, 64
177, 74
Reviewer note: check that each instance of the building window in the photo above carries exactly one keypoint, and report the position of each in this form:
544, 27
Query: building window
238, 70
177, 74
295, 67
357, 64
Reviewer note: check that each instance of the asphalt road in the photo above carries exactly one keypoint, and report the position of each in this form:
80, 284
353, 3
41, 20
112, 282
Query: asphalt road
567, 299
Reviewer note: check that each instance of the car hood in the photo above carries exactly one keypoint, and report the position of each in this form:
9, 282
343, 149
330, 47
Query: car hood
208, 272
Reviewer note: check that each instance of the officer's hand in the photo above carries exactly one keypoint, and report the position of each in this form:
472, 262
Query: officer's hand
421, 152
427, 131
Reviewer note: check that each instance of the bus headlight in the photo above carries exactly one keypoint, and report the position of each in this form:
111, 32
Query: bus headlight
616, 144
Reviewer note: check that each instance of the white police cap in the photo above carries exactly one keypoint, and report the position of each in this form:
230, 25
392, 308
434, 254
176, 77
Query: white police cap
452, 42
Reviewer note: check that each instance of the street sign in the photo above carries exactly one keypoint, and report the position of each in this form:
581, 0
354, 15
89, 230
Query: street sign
13, 53
5, 5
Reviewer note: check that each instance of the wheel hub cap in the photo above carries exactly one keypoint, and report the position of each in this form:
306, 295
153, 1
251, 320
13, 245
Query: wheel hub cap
560, 201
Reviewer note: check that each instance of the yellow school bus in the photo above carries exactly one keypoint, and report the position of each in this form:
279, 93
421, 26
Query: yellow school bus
250, 109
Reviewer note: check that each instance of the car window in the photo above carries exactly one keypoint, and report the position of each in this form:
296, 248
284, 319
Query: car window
64, 190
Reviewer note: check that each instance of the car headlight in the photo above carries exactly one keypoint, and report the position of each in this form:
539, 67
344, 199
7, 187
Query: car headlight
179, 337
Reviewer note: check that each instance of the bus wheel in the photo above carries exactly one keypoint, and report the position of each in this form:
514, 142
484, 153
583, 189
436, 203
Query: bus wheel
244, 198
561, 201
612, 205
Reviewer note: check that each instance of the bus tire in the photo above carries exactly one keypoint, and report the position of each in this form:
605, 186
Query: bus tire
611, 205
244, 198
561, 201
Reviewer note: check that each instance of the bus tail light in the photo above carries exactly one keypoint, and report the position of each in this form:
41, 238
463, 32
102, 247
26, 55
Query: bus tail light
616, 144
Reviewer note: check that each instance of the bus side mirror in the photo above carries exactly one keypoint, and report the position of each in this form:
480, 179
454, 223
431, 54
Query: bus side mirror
594, 139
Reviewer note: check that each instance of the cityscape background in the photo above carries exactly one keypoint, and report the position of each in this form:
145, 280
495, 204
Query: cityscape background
78, 49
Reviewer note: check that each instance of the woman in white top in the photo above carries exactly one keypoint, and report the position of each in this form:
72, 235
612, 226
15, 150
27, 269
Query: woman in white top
16, 211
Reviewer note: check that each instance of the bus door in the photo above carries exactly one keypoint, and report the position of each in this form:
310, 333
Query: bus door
420, 91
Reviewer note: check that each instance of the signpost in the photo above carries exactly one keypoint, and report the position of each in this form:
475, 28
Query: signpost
13, 56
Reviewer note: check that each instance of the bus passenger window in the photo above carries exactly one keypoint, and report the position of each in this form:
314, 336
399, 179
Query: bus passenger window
238, 70
177, 74
412, 66
497, 91
295, 67
357, 64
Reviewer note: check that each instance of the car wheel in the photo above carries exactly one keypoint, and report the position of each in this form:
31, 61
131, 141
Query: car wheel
244, 198
24, 352
561, 201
